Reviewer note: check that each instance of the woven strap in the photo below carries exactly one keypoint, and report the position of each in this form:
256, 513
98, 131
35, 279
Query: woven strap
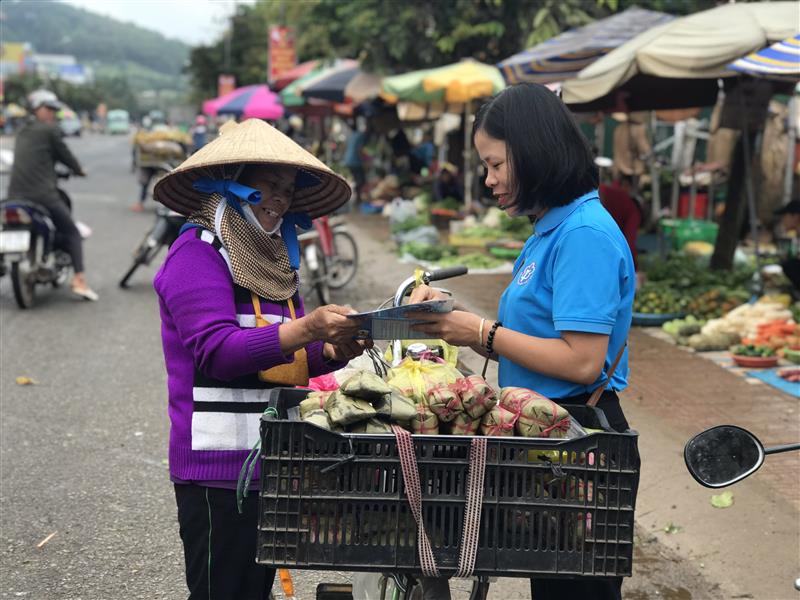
472, 513
595, 397
474, 503
408, 463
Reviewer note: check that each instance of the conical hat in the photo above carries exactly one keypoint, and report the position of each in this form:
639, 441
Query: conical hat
252, 142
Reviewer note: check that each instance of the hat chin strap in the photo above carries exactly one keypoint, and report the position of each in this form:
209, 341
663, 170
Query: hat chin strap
251, 218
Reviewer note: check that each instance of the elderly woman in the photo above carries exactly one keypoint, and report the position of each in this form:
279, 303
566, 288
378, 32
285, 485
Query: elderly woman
233, 326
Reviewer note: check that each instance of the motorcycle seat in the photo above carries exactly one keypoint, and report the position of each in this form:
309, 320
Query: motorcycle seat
28, 204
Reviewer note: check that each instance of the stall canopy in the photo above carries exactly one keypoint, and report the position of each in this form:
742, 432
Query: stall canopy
779, 61
292, 95
297, 72
252, 101
459, 82
677, 65
560, 58
347, 84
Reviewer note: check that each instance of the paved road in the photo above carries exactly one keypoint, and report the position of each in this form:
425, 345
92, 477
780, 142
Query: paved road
84, 450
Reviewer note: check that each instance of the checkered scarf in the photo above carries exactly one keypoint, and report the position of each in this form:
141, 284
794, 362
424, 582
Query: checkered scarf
259, 261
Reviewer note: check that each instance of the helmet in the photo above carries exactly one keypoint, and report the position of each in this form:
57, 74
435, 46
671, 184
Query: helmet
46, 98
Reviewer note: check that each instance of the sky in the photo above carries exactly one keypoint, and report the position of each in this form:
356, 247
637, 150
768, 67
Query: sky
191, 21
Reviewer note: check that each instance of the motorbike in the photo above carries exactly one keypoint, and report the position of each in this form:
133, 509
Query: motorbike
163, 233
29, 243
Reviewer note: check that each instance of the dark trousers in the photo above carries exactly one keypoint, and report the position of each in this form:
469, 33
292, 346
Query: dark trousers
219, 545
586, 588
67, 235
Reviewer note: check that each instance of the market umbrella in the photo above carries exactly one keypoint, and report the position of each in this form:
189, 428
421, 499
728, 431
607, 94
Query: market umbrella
460, 82
252, 101
292, 95
563, 56
779, 61
293, 74
677, 64
348, 84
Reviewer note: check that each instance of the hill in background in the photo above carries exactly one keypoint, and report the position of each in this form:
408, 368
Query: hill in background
147, 59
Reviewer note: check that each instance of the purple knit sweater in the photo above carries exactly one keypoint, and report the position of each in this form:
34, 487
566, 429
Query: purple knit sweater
208, 333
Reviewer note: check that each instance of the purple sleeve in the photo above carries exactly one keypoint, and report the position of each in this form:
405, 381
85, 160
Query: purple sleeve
197, 290
318, 364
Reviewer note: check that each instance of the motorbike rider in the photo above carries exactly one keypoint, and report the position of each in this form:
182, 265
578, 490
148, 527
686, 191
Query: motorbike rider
39, 145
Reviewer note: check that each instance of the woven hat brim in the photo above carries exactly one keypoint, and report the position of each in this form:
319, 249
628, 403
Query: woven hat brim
251, 143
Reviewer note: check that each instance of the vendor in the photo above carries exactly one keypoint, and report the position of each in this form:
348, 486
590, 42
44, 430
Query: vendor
790, 223
618, 200
447, 184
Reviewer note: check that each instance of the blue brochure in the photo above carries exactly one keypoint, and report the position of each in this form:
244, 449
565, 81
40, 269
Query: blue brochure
394, 323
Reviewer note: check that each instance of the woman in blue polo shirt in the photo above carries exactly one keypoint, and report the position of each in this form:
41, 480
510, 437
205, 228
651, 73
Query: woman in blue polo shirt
564, 318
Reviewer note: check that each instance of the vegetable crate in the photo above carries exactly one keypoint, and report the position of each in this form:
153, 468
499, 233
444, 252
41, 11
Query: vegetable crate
682, 231
550, 507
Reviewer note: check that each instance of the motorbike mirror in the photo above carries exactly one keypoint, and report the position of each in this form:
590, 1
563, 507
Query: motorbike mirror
723, 455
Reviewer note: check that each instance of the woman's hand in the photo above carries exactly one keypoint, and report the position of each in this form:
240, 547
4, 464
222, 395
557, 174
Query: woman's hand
459, 327
423, 293
330, 324
345, 352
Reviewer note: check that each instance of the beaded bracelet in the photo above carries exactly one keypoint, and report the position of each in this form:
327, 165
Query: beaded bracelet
490, 339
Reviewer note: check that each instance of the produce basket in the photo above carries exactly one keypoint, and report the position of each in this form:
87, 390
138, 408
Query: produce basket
550, 507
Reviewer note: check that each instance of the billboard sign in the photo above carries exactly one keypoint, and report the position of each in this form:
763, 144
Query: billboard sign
282, 55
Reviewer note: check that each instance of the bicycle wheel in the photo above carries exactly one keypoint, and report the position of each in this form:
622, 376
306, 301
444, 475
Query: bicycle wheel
342, 266
145, 252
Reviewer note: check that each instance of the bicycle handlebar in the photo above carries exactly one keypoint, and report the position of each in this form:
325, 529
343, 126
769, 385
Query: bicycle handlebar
447, 273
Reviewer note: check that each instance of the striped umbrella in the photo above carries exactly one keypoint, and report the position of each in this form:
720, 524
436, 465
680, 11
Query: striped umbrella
779, 61
293, 74
252, 101
561, 57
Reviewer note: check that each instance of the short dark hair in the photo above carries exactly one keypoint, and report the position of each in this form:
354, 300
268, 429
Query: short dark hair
550, 160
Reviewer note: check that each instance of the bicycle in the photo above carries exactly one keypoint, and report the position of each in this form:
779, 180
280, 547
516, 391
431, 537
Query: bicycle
330, 257
561, 507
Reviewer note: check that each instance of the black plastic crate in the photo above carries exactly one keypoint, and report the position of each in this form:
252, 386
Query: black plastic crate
337, 501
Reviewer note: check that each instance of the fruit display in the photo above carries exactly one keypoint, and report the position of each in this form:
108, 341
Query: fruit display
716, 302
712, 342
656, 298
682, 329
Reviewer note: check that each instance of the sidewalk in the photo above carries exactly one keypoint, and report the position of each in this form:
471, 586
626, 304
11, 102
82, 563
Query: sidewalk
750, 550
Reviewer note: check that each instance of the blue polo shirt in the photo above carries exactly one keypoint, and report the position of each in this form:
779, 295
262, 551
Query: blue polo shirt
575, 273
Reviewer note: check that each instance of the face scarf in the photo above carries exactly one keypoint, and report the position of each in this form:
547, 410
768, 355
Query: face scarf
262, 263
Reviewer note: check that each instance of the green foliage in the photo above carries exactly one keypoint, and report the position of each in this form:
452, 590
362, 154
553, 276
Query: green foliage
113, 48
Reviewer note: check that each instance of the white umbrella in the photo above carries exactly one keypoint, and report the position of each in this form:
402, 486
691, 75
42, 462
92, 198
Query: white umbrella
677, 64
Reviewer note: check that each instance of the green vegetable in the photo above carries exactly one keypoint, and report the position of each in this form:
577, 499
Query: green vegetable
448, 203
752, 350
410, 224
427, 252
723, 500
472, 261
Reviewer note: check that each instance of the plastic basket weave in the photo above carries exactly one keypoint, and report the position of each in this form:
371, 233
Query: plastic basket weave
337, 501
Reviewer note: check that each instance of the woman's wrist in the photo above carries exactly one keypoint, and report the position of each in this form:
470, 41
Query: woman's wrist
294, 335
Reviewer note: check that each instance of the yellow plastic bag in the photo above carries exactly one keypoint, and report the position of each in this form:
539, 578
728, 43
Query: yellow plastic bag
414, 378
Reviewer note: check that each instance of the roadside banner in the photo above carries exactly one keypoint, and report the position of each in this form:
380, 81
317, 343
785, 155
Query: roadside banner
282, 56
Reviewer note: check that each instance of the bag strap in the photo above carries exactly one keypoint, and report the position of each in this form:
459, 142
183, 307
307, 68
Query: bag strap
260, 321
595, 397
470, 532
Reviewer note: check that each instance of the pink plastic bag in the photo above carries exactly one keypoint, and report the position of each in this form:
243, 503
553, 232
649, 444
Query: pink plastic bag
324, 383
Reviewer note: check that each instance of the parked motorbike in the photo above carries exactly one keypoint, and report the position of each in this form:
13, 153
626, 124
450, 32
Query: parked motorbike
29, 243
